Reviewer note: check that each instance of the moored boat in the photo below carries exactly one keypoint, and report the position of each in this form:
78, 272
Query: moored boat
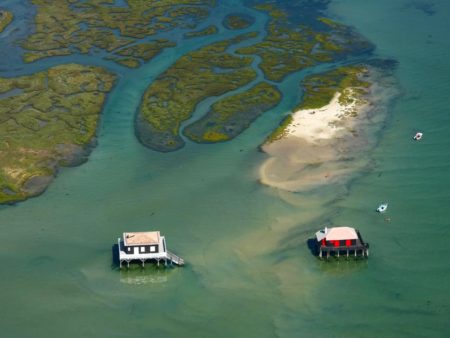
382, 207
418, 136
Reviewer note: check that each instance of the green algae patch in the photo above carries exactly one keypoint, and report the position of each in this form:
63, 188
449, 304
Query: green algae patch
230, 116
29, 57
6, 18
210, 30
65, 27
129, 62
281, 130
146, 51
173, 96
319, 89
48, 119
238, 21
291, 46
133, 56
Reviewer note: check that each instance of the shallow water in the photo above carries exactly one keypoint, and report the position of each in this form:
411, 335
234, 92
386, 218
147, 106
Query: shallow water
249, 270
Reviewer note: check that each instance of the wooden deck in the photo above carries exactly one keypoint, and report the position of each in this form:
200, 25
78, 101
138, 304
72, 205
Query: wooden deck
344, 251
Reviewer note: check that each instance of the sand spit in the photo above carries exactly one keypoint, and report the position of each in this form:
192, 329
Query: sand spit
327, 145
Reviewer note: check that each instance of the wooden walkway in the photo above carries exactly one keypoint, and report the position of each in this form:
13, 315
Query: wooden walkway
175, 259
344, 251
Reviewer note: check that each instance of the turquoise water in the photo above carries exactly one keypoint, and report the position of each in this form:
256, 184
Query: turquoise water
249, 272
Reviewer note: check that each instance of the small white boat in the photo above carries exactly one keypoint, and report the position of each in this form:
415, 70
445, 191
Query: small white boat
382, 207
418, 136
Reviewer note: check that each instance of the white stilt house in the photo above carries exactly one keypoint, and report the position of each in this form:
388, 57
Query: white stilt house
145, 246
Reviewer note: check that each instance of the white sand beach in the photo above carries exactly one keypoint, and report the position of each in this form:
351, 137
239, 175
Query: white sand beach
313, 125
317, 146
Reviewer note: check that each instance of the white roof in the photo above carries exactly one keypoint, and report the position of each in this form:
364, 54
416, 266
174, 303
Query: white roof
141, 238
337, 234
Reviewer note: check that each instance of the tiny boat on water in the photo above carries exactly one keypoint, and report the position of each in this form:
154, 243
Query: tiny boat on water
418, 136
382, 207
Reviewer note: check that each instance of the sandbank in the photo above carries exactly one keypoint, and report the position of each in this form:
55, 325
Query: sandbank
320, 146
323, 123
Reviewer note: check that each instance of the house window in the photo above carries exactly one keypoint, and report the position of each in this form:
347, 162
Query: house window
152, 249
142, 249
129, 249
